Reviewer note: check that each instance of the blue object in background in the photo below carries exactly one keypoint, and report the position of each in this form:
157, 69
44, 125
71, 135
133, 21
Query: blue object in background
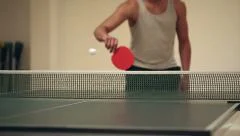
3, 56
9, 57
18, 49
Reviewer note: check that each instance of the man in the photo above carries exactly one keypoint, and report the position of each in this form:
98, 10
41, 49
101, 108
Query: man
153, 25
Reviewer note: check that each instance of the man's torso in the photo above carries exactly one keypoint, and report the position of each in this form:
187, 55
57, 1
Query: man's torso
153, 32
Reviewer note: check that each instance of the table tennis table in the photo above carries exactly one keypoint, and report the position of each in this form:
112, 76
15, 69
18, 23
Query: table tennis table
97, 103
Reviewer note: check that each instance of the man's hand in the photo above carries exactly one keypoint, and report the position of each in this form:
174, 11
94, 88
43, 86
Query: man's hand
111, 43
185, 83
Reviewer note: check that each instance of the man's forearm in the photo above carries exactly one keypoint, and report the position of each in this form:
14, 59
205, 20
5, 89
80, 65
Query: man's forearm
185, 55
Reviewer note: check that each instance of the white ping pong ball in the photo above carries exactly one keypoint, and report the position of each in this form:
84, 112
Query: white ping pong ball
92, 51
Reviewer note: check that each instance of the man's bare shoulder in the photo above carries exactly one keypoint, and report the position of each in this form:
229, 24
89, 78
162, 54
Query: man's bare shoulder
180, 6
132, 2
129, 8
129, 4
179, 2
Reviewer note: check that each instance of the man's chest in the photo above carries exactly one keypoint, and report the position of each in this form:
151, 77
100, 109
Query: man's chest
156, 8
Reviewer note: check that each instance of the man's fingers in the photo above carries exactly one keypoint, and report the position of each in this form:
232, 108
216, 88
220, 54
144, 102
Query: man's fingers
111, 44
108, 43
114, 45
112, 41
185, 83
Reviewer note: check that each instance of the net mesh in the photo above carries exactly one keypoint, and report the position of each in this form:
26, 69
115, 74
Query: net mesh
121, 85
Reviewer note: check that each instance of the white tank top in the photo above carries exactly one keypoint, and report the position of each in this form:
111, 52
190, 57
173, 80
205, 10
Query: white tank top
153, 38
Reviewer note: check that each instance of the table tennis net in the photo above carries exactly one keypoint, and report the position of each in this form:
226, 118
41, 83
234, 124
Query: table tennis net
121, 85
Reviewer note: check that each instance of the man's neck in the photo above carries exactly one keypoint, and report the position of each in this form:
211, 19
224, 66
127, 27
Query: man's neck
154, 1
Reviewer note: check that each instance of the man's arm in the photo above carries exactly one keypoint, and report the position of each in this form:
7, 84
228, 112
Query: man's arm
123, 12
183, 36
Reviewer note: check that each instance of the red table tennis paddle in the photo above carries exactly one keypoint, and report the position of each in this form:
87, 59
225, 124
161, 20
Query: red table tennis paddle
122, 58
